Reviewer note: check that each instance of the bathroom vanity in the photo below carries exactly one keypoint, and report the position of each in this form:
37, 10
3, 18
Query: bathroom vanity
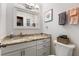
27, 45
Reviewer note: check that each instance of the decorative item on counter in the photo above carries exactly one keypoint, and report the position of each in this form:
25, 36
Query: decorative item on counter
62, 18
11, 35
41, 33
63, 39
73, 15
21, 34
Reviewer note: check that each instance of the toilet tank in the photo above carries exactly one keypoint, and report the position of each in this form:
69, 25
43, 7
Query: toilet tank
63, 49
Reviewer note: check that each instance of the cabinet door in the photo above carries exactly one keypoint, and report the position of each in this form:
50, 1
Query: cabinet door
43, 50
14, 53
43, 41
22, 52
31, 51
40, 52
46, 51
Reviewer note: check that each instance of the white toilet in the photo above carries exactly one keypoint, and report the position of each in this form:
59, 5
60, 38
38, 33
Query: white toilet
63, 49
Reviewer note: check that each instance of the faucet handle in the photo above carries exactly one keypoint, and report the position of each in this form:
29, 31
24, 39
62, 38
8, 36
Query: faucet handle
21, 34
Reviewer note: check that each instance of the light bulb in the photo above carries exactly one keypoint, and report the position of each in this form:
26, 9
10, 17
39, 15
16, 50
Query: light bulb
36, 6
31, 4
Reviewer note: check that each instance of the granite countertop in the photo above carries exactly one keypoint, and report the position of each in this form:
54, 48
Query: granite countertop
26, 38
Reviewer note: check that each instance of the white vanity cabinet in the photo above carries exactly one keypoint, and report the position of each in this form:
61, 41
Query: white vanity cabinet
34, 48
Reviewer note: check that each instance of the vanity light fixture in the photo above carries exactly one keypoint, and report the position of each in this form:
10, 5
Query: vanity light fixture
31, 6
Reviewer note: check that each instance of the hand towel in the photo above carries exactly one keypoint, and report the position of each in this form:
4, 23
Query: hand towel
62, 18
74, 20
73, 12
73, 16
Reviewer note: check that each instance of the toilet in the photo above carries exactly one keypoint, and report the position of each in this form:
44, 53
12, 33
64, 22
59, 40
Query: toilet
63, 49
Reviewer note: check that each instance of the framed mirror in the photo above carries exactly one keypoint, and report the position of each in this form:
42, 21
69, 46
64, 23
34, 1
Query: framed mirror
25, 19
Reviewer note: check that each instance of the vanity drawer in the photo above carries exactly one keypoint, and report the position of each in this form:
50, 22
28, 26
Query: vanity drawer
43, 41
17, 46
44, 45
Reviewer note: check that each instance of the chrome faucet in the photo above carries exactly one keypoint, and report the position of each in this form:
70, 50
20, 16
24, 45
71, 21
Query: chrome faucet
21, 34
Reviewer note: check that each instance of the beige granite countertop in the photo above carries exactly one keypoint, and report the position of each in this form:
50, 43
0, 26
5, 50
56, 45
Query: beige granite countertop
16, 40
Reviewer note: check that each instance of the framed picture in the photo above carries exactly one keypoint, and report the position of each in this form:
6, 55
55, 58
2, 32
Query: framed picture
48, 16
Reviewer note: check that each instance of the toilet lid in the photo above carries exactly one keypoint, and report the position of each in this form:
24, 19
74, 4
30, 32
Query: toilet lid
66, 45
